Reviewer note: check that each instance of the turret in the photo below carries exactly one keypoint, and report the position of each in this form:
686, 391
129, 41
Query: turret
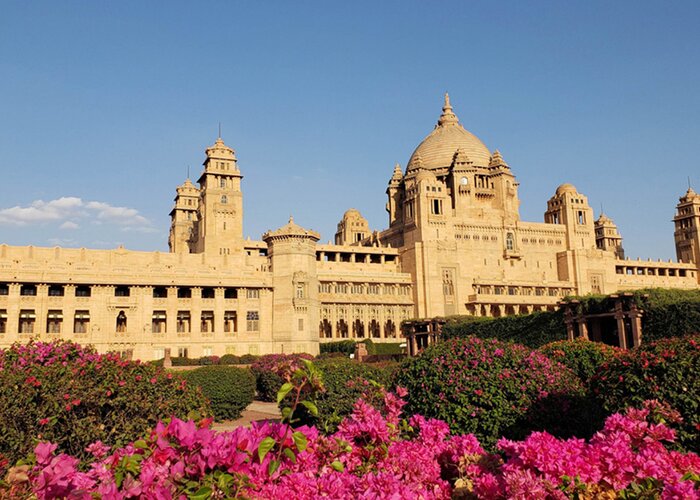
352, 228
687, 228
570, 208
183, 218
607, 237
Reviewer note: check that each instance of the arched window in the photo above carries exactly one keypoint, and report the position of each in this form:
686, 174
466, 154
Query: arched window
224, 199
121, 322
510, 245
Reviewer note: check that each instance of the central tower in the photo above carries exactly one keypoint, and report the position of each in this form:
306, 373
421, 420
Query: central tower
219, 228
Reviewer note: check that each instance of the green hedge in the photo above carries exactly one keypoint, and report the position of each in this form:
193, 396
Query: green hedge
582, 356
229, 389
347, 347
532, 330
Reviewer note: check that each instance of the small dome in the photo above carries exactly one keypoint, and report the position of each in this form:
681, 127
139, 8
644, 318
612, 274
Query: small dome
439, 148
352, 212
566, 188
425, 175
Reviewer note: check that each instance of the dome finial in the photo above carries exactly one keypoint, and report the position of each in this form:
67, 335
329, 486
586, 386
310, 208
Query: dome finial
448, 117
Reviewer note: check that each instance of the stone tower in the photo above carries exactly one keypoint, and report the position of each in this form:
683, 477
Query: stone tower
571, 208
292, 254
352, 228
219, 228
183, 218
687, 228
607, 237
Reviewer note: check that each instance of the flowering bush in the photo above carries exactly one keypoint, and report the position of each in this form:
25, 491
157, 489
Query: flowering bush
229, 389
582, 356
667, 370
492, 389
344, 382
271, 369
372, 455
73, 396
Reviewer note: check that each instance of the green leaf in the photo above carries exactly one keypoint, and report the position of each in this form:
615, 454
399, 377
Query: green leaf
274, 465
290, 455
311, 406
201, 494
284, 390
286, 412
300, 440
140, 444
338, 466
264, 447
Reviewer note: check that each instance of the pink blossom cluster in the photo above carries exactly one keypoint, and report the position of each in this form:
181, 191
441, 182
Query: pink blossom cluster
52, 353
372, 455
281, 364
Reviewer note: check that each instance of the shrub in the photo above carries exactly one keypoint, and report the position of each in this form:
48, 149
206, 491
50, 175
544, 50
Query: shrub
493, 388
582, 356
627, 459
230, 359
248, 359
345, 381
269, 370
74, 396
229, 389
532, 330
346, 347
666, 370
208, 360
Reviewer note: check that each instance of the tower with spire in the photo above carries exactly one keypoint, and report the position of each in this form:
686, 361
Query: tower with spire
183, 218
687, 228
607, 237
219, 226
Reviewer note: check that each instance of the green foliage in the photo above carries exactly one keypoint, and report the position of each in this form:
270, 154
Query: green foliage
230, 359
347, 347
229, 389
271, 370
493, 389
669, 313
267, 384
531, 330
582, 356
73, 396
345, 381
667, 370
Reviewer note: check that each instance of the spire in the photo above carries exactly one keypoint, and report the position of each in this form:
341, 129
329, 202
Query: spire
461, 157
398, 173
497, 160
447, 117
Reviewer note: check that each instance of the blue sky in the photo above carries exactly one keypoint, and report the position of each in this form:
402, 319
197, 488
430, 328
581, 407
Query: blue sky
103, 105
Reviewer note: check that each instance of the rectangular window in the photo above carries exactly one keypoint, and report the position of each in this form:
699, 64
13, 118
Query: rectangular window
182, 352
55, 291
373, 289
207, 351
82, 291
301, 324
158, 353
27, 318
253, 293
3, 321
4, 289
436, 207
158, 322
252, 321
122, 291
357, 289
324, 288
231, 293
54, 319
207, 323
81, 321
184, 323
230, 322
27, 290
341, 288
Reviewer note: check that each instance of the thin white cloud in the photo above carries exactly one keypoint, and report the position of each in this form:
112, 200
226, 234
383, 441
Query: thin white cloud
65, 211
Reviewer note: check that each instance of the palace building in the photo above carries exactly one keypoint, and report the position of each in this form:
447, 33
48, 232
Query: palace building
455, 244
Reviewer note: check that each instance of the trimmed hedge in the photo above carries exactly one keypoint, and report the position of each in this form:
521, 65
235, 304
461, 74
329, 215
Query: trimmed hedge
531, 330
345, 381
667, 370
229, 389
72, 396
492, 389
347, 347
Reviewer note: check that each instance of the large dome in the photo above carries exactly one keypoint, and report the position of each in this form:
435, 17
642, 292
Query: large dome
438, 149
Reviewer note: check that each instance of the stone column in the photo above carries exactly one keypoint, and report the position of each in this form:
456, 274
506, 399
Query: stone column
620, 318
